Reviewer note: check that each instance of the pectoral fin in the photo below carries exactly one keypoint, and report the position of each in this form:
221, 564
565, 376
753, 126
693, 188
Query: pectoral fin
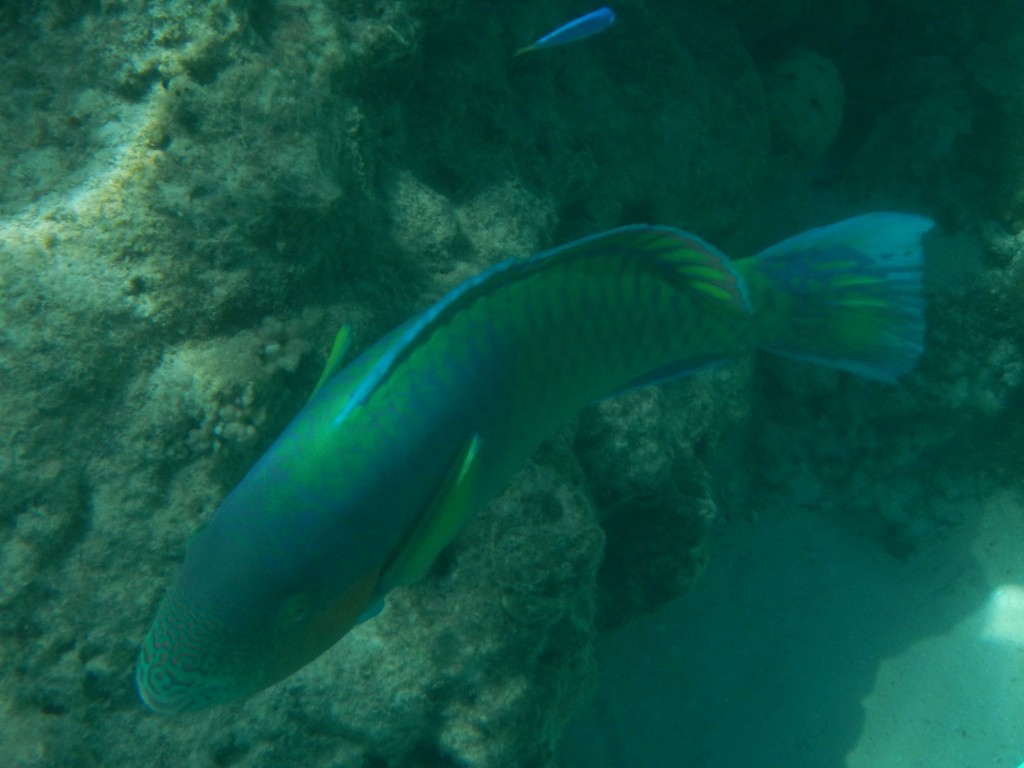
443, 518
342, 342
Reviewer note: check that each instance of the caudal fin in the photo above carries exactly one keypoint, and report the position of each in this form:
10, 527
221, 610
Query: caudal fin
848, 295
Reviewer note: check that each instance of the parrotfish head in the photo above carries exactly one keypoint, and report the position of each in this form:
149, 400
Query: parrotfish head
191, 659
222, 633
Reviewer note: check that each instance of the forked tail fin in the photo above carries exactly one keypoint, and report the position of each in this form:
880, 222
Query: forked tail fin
848, 295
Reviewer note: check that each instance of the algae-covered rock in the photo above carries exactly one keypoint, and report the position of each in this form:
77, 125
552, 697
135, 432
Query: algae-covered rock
648, 459
805, 100
996, 53
199, 194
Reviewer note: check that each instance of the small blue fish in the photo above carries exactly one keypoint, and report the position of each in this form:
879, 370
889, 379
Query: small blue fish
577, 29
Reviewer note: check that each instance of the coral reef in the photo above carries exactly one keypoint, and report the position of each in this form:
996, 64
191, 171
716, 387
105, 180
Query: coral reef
200, 193
208, 195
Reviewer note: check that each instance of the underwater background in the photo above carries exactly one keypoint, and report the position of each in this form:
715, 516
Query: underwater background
769, 563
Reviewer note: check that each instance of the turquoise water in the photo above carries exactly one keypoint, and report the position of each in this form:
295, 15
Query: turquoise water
805, 645
765, 564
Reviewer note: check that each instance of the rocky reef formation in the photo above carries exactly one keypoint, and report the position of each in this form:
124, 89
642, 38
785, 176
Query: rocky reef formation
197, 194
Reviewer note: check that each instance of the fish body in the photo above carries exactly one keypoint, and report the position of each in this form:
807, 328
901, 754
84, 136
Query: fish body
394, 452
578, 29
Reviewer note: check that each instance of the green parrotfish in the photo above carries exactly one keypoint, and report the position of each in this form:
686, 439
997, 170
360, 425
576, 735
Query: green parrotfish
393, 453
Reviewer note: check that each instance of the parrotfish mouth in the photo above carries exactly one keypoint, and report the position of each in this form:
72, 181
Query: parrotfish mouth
191, 699
159, 702
165, 685
188, 661
167, 688
153, 684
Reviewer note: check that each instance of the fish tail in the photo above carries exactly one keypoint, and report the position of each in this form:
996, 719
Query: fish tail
848, 295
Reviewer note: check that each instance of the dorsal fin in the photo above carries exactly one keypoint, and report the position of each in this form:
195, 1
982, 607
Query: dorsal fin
679, 258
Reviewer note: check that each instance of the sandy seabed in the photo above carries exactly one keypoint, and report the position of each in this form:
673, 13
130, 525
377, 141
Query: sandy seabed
806, 645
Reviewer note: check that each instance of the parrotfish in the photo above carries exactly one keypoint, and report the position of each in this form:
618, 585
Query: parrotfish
394, 452
577, 29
